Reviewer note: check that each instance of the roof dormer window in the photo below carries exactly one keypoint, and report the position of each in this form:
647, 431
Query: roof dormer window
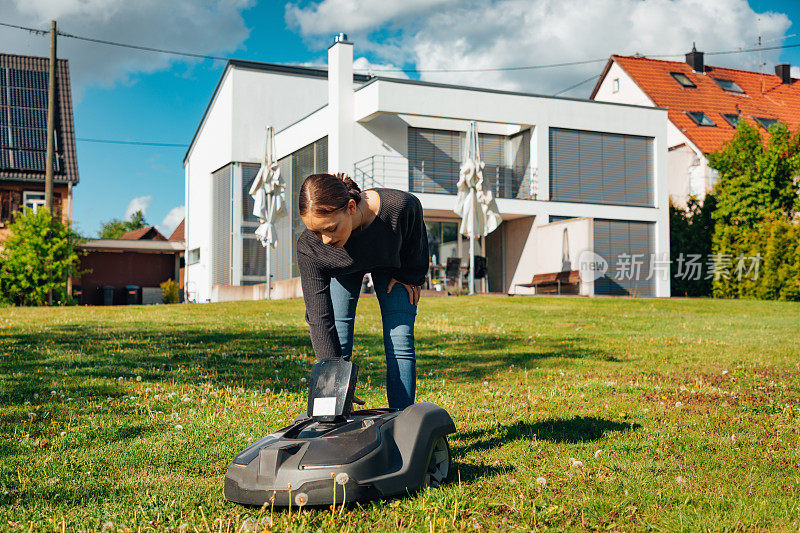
766, 122
700, 118
732, 119
729, 85
683, 79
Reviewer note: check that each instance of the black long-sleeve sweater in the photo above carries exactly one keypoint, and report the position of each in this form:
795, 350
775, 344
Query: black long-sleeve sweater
395, 242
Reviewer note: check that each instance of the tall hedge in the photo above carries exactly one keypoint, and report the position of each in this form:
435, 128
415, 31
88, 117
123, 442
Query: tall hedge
756, 215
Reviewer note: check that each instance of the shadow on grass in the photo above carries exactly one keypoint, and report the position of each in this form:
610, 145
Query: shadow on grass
572, 430
83, 358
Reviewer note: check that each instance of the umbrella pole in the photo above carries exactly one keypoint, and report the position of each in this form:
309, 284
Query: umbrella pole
269, 295
472, 264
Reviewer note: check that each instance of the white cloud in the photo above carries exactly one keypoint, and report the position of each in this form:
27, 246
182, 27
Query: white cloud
475, 34
171, 220
140, 203
362, 65
198, 26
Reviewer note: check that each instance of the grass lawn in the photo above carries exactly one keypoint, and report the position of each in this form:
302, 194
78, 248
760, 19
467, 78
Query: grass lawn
681, 414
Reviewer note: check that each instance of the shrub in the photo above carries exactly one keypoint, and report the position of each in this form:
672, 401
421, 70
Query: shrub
38, 259
169, 292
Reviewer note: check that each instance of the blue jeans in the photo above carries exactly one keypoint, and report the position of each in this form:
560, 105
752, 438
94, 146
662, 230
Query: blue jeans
398, 317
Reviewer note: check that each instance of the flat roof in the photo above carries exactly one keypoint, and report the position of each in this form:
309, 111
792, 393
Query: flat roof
123, 245
498, 91
291, 70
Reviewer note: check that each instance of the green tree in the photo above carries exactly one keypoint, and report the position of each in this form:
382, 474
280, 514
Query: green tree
690, 234
115, 228
756, 179
38, 258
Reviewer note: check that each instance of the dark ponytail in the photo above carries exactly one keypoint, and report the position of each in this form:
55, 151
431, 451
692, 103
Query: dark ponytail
326, 193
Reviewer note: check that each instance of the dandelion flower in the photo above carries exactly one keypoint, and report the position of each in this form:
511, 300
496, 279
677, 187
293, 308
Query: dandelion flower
138, 378
680, 479
52, 393
678, 405
302, 380
342, 478
178, 427
577, 464
542, 482
598, 453
63, 433
301, 499
485, 383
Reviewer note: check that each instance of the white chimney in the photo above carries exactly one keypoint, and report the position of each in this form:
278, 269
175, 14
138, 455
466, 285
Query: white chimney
340, 104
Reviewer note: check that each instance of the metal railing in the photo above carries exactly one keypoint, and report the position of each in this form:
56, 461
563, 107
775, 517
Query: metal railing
422, 176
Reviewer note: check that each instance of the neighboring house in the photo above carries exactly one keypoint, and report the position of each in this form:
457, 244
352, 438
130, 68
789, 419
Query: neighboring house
110, 266
179, 236
148, 233
547, 159
141, 258
23, 135
704, 105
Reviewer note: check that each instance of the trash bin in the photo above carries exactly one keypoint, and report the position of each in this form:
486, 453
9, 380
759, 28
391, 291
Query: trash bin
132, 295
108, 295
77, 294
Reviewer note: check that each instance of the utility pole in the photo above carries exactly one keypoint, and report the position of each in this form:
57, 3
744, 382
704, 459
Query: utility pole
51, 121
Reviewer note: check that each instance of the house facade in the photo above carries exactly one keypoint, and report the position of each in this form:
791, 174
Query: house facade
23, 138
548, 161
704, 104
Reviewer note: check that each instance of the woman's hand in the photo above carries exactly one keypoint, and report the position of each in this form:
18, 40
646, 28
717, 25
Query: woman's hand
413, 290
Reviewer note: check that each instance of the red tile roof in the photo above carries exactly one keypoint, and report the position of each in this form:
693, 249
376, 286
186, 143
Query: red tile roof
764, 96
148, 233
178, 234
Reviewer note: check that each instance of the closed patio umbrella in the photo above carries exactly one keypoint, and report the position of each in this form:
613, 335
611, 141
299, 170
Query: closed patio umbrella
268, 191
474, 204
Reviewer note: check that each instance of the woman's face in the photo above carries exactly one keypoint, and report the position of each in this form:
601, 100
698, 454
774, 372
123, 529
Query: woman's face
333, 229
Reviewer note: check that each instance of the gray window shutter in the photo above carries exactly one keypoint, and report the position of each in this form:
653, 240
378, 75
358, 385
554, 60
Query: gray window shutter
433, 160
221, 224
615, 239
521, 165
604, 168
493, 155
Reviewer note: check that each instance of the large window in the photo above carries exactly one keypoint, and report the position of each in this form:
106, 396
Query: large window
311, 159
442, 241
601, 168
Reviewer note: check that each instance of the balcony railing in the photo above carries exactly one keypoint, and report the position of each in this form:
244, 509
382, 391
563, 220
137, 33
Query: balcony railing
439, 177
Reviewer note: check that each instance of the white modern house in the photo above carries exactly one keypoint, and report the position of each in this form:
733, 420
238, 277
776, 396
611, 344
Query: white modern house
569, 175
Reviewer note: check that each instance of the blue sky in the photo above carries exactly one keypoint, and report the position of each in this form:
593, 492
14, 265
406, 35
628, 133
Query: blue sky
130, 95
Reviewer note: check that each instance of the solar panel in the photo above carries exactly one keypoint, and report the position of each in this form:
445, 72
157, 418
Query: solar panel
29, 138
20, 97
31, 79
23, 120
28, 118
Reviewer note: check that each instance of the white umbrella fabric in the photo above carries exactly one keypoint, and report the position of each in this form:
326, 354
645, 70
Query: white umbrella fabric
269, 192
474, 204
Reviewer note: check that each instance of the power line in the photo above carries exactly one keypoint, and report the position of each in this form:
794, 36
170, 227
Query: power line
38, 31
577, 84
137, 143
